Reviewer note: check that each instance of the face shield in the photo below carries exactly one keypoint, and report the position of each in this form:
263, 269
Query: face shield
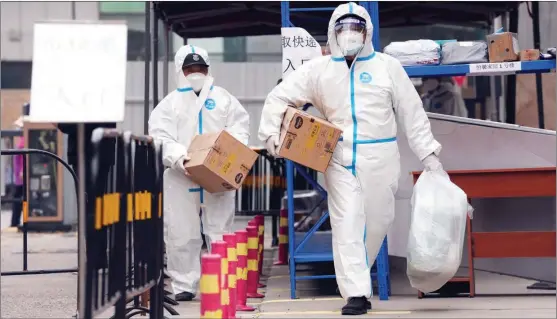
350, 34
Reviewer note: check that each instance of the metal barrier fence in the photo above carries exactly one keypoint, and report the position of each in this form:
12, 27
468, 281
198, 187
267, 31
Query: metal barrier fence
124, 229
24, 202
264, 188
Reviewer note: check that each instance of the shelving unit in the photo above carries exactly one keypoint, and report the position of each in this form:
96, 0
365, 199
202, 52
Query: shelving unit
314, 246
541, 66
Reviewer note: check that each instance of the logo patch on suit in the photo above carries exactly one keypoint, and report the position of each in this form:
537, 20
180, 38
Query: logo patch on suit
365, 77
210, 104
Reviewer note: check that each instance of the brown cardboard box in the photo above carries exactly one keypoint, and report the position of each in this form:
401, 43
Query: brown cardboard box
529, 55
307, 140
502, 47
219, 162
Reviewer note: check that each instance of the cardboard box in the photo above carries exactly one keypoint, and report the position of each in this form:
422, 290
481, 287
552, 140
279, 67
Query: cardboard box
307, 140
219, 162
529, 55
502, 47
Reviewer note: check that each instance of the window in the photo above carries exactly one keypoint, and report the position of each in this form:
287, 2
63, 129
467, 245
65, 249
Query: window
134, 14
15, 75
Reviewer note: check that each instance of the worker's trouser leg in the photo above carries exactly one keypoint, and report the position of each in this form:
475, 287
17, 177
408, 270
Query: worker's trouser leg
182, 232
361, 208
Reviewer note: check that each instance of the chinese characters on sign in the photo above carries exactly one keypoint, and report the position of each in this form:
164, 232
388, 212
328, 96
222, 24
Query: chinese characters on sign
298, 41
290, 66
495, 67
298, 47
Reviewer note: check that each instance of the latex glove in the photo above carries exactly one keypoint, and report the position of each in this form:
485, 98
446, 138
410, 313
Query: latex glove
432, 163
271, 145
181, 164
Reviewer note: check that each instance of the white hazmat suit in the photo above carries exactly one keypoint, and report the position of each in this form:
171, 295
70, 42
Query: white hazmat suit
175, 121
365, 100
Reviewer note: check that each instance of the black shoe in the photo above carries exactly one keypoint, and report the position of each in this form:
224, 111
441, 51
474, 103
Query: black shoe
356, 306
185, 296
368, 305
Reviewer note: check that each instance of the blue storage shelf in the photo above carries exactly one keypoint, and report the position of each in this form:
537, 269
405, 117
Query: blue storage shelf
317, 249
540, 66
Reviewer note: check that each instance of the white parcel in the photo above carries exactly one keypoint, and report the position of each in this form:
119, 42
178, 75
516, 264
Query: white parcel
437, 228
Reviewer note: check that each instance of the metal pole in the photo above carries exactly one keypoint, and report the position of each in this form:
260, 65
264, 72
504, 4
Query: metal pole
25, 207
147, 58
539, 89
81, 269
73, 11
510, 98
165, 64
155, 58
81, 218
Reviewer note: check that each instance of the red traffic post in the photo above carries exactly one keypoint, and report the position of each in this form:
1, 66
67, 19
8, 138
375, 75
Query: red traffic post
261, 231
242, 272
210, 286
230, 240
253, 271
220, 248
283, 239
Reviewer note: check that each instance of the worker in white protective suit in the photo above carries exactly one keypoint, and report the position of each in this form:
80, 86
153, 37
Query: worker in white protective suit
365, 93
195, 107
440, 95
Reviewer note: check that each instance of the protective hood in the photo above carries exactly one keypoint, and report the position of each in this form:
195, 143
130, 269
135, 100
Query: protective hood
349, 8
179, 58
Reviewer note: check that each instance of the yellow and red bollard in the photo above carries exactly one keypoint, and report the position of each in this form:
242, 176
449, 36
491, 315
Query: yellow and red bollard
253, 270
283, 239
230, 240
220, 248
261, 224
210, 286
242, 272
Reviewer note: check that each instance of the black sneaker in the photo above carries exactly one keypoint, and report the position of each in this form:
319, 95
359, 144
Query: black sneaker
356, 306
185, 296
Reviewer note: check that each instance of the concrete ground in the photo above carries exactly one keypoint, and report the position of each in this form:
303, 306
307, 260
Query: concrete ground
54, 296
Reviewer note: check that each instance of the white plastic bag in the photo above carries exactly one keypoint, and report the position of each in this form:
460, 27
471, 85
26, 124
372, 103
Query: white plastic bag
415, 52
436, 238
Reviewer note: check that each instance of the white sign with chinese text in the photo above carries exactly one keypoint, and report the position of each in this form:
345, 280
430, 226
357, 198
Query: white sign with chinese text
495, 68
79, 72
298, 47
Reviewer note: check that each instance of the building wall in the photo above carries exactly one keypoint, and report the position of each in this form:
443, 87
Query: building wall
17, 19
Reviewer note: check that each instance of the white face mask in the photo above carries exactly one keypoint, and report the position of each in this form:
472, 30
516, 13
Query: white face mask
350, 42
196, 80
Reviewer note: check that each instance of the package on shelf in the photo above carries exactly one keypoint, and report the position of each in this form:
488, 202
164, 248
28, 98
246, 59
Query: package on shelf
464, 52
503, 47
307, 139
529, 55
414, 52
219, 162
